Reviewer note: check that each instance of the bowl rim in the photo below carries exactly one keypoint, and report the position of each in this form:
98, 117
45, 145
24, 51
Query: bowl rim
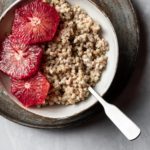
115, 66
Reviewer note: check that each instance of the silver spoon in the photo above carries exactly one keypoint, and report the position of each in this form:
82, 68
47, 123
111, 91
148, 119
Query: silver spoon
121, 121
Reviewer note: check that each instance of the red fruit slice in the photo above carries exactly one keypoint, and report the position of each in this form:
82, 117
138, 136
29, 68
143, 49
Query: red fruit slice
35, 22
18, 60
32, 91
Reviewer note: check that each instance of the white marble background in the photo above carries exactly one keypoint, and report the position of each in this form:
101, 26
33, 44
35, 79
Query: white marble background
98, 134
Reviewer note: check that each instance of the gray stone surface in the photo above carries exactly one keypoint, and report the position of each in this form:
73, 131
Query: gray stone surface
98, 134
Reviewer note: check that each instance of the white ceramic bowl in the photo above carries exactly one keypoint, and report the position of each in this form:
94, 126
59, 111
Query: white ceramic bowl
59, 112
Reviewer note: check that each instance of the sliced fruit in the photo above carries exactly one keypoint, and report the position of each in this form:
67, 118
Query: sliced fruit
32, 91
35, 22
18, 60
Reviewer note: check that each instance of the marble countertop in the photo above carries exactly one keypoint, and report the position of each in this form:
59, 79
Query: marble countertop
100, 133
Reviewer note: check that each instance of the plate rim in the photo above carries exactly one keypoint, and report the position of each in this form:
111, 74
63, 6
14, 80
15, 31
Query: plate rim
70, 123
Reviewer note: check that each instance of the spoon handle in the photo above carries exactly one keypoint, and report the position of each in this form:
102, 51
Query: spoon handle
122, 122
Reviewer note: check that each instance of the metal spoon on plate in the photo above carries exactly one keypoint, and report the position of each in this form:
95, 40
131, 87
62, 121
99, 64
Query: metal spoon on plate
121, 121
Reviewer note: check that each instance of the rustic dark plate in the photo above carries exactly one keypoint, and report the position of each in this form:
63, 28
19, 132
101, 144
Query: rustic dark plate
123, 17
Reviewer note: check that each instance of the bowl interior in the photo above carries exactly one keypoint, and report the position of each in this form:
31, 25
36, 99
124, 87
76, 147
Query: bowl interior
107, 77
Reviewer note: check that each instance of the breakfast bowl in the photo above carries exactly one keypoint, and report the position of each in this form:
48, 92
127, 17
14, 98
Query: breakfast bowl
57, 113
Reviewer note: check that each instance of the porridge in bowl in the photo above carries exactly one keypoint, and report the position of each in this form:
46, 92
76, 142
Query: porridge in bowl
76, 58
54, 52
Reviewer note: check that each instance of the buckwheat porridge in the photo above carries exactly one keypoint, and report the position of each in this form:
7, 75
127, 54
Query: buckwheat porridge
76, 58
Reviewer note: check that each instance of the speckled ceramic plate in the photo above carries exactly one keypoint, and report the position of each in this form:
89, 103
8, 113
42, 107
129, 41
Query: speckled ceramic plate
123, 18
